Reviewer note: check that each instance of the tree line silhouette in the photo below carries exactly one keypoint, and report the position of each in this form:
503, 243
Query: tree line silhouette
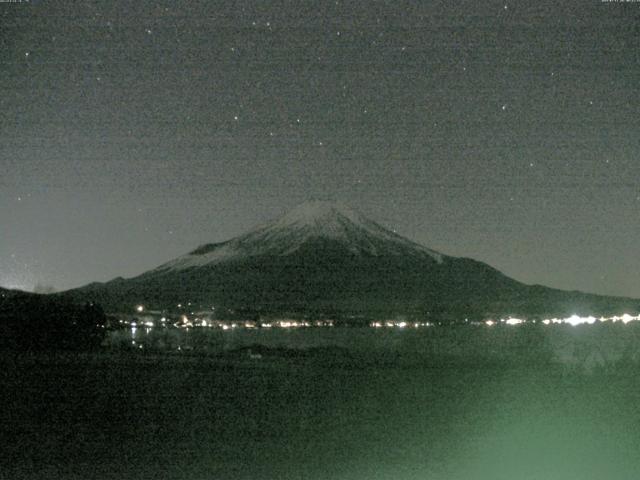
37, 322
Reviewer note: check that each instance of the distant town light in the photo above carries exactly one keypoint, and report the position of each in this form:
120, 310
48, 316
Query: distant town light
626, 318
574, 320
140, 308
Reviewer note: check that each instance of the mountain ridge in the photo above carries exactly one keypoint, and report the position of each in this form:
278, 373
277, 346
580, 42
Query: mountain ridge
323, 258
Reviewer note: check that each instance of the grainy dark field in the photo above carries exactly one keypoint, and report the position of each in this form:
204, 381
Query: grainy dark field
132, 415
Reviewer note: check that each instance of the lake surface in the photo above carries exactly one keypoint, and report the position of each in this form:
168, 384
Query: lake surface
583, 347
140, 414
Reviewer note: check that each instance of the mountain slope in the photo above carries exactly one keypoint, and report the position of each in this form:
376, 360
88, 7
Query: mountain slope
306, 223
324, 258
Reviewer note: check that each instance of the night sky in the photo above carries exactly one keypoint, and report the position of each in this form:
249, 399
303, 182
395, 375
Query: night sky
132, 132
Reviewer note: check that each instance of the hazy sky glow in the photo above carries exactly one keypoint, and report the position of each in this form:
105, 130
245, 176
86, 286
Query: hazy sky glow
132, 132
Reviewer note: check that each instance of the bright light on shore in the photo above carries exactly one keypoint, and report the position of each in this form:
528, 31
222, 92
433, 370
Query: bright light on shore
514, 321
626, 318
574, 320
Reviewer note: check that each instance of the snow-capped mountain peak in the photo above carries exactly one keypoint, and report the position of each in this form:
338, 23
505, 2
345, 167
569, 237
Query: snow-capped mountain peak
317, 212
314, 220
322, 219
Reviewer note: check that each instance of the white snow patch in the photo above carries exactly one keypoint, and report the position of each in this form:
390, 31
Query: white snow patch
316, 219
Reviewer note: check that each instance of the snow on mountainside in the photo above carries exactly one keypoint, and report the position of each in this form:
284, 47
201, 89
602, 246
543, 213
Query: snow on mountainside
308, 221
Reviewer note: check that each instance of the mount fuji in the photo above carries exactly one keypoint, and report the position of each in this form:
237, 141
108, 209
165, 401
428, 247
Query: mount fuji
323, 258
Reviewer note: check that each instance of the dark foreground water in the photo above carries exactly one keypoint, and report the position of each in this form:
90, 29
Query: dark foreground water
323, 415
132, 417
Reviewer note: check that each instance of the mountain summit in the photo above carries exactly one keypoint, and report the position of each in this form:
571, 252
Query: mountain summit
323, 258
308, 223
